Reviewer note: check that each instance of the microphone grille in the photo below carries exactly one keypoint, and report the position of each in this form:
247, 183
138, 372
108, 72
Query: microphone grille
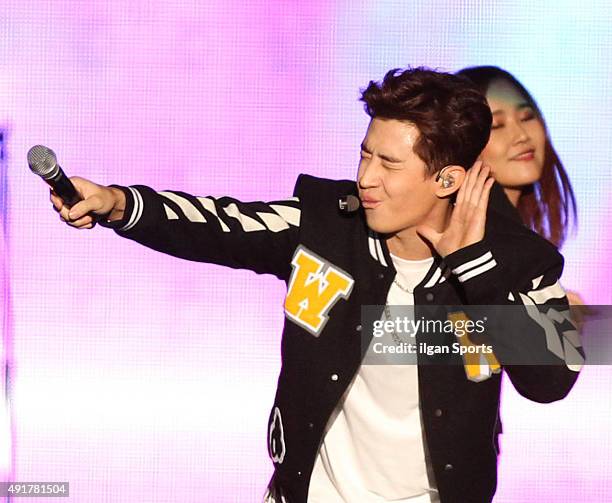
42, 160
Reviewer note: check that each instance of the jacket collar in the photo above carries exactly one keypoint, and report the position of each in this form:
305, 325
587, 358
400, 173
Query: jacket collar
377, 247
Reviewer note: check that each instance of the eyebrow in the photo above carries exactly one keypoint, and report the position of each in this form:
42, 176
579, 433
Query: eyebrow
520, 106
384, 157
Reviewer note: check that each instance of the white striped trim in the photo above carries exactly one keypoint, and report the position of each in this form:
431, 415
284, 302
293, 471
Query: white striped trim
570, 338
186, 206
473, 263
434, 278
439, 276
445, 275
554, 291
274, 222
372, 247
289, 214
170, 214
136, 210
381, 256
573, 355
535, 282
479, 270
567, 314
269, 499
573, 337
563, 344
376, 248
546, 321
248, 224
209, 205
559, 316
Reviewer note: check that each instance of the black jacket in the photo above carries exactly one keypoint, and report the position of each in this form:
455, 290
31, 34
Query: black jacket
305, 239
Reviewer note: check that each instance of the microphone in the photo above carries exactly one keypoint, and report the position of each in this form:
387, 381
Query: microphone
43, 162
348, 204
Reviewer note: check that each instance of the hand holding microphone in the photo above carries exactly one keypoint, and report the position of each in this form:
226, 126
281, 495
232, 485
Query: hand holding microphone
80, 203
98, 202
43, 162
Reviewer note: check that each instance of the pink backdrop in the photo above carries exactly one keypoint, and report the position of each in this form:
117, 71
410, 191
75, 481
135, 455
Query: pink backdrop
139, 377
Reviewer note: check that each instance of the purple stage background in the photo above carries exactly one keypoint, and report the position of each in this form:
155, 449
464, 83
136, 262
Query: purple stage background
139, 377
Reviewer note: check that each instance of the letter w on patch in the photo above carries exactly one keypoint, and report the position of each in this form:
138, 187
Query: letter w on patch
315, 286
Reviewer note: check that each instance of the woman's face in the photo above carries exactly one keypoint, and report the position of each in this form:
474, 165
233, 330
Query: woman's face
515, 151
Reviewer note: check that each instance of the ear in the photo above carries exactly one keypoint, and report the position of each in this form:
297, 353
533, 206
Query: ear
450, 179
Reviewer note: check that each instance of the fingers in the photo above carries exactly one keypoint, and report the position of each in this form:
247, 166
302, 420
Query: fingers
475, 209
479, 183
64, 214
478, 210
84, 207
57, 202
470, 213
483, 203
77, 216
471, 178
86, 222
464, 205
429, 233
461, 193
474, 193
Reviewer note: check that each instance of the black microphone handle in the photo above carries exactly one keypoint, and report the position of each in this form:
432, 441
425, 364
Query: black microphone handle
64, 188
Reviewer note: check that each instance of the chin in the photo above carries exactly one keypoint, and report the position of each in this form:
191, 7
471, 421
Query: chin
376, 224
382, 225
376, 227
526, 175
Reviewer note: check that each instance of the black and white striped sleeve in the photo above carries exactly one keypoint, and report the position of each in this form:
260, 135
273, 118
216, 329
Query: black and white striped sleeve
531, 330
259, 236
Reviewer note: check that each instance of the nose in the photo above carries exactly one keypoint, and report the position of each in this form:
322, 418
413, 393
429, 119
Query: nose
519, 134
367, 174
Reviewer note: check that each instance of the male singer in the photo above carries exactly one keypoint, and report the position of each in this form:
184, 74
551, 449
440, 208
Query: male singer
424, 236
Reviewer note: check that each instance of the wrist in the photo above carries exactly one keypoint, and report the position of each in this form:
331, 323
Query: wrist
119, 204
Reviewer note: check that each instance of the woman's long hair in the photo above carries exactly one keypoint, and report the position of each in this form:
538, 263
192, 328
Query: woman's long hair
547, 206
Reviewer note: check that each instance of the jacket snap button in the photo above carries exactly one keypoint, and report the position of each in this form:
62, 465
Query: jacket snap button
429, 297
334, 377
448, 467
358, 328
438, 412
310, 426
299, 474
381, 275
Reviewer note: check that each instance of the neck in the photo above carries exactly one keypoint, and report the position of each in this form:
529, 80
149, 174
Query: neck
408, 243
513, 194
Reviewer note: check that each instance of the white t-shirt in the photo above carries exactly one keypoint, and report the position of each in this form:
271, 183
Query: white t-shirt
373, 448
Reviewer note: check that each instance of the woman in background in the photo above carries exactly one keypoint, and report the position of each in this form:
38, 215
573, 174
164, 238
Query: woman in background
522, 157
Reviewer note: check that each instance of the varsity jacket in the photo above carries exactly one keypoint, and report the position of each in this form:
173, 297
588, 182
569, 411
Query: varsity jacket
333, 265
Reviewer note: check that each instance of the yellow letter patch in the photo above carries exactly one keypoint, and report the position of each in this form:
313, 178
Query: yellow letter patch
314, 287
478, 367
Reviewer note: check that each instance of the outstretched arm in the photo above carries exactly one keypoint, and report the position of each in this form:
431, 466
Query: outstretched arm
260, 236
